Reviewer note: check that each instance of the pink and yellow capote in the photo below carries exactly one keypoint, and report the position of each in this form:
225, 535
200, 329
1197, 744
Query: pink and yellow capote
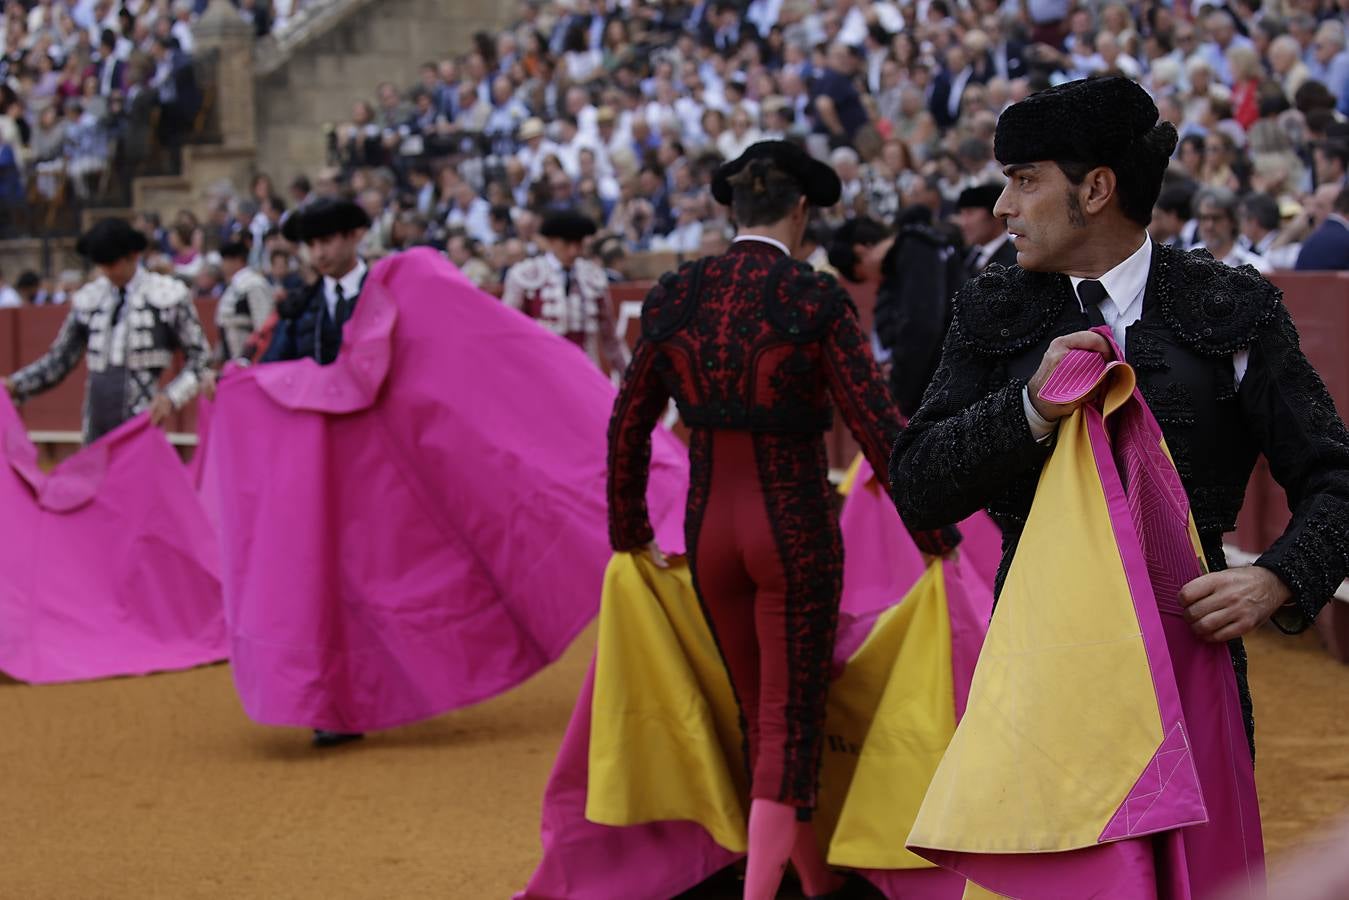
1102, 753
649, 793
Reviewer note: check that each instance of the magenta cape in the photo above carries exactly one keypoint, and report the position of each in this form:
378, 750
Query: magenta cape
108, 565
586, 861
1029, 807
422, 524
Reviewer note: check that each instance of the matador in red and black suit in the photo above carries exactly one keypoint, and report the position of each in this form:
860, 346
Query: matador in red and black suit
753, 346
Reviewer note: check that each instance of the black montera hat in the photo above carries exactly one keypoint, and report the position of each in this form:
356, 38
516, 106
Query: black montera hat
1094, 121
567, 225
321, 218
817, 181
109, 241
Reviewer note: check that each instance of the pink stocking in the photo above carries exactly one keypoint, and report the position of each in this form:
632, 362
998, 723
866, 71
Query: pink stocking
772, 832
816, 877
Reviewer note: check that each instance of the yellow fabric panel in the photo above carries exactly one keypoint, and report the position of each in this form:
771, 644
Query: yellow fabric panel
849, 482
897, 692
665, 734
1062, 716
665, 740
974, 892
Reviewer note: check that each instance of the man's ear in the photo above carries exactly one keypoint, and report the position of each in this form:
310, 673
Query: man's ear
1099, 186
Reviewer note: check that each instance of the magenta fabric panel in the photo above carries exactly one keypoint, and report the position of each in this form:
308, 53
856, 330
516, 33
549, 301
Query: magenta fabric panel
422, 524
108, 565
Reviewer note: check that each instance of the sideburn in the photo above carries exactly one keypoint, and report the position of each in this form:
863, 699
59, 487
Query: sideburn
1076, 218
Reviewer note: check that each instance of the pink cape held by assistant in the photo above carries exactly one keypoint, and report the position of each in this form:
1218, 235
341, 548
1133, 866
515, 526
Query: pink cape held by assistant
108, 565
1102, 753
422, 524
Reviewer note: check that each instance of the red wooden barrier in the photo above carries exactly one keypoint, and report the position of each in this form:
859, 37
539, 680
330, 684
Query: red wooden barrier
8, 332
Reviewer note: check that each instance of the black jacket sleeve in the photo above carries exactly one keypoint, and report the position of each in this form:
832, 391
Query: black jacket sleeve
968, 441
1287, 406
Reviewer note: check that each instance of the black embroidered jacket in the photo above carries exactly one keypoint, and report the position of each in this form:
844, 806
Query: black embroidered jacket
970, 445
768, 355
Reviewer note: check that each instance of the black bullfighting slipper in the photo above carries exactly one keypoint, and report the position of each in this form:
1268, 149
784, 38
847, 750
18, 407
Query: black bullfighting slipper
333, 738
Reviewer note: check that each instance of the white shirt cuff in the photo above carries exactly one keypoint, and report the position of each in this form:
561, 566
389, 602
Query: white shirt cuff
1040, 428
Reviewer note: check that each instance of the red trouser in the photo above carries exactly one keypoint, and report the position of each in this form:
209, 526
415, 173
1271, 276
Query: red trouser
768, 567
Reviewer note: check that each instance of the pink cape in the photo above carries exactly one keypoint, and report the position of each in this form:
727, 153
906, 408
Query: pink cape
585, 861
109, 564
1191, 824
422, 524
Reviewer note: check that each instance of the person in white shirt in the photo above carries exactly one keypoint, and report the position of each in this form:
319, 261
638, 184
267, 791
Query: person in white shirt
1218, 229
9, 298
1260, 222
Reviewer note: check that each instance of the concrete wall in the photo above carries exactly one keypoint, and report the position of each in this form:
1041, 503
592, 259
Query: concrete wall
386, 40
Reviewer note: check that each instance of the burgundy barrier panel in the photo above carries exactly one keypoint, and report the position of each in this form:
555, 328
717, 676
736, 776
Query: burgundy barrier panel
9, 330
59, 408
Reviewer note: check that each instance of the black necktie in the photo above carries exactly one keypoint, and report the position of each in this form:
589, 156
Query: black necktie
121, 305
343, 305
566, 290
1092, 294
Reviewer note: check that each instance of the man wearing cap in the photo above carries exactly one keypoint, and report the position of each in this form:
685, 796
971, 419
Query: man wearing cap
128, 323
567, 293
985, 234
244, 306
1214, 349
753, 346
311, 321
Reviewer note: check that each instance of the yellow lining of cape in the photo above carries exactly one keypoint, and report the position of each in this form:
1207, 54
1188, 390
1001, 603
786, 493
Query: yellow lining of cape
665, 741
1062, 716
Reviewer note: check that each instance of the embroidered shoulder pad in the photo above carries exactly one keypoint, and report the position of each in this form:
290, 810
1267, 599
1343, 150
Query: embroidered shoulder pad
91, 296
1213, 308
530, 274
801, 302
671, 301
591, 276
163, 291
1005, 310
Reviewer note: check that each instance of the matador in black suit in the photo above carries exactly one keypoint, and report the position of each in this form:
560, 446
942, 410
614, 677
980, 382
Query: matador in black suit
1214, 349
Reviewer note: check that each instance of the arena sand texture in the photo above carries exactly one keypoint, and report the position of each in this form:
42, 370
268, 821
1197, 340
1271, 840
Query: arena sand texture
160, 787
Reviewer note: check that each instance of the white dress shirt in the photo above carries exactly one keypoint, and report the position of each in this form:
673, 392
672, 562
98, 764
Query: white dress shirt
987, 251
765, 239
351, 287
1125, 287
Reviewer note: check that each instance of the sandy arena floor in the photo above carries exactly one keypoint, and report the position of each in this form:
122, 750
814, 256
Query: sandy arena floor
160, 787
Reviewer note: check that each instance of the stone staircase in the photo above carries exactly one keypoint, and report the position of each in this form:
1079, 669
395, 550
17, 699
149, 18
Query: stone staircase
272, 99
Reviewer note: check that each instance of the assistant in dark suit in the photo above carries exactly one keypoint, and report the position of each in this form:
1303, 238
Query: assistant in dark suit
985, 235
311, 320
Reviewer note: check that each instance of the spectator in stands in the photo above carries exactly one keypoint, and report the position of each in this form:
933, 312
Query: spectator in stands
28, 287
1218, 228
466, 254
175, 83
836, 103
1331, 158
1260, 223
1173, 223
1327, 248
9, 297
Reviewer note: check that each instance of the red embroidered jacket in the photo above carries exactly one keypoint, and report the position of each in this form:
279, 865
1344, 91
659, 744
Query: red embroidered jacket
751, 341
